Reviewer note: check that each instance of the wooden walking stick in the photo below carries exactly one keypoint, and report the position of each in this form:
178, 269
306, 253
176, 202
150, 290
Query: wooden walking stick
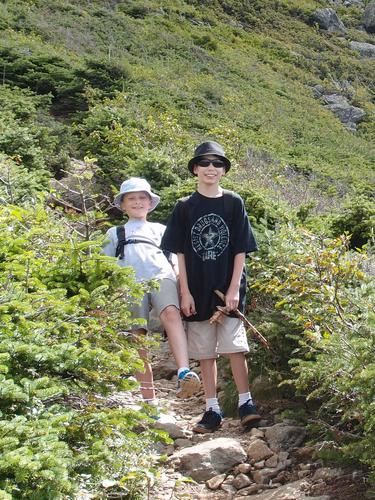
217, 317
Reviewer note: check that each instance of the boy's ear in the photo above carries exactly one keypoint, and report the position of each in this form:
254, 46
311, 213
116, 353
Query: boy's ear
195, 166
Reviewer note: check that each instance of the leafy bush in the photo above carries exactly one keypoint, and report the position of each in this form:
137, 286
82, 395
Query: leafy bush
63, 348
322, 288
29, 135
356, 218
17, 185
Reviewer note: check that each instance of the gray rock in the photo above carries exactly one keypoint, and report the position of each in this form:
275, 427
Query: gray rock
348, 115
250, 490
168, 424
347, 3
210, 458
256, 433
291, 491
365, 49
241, 481
228, 488
356, 3
272, 461
258, 450
368, 18
263, 476
215, 482
325, 473
328, 20
318, 91
284, 437
242, 469
183, 443
259, 465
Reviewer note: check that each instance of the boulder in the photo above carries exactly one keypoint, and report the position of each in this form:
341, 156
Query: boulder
356, 3
348, 115
284, 437
210, 458
328, 20
347, 3
365, 49
368, 18
291, 491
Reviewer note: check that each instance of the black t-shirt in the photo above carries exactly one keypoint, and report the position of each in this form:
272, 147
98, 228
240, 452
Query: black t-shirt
209, 235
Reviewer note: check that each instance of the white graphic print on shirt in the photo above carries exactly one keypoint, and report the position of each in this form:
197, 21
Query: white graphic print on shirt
209, 236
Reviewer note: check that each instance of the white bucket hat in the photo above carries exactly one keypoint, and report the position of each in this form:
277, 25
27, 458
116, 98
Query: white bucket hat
136, 184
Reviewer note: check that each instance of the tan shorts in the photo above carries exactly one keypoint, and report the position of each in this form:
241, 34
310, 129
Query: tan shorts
206, 341
156, 301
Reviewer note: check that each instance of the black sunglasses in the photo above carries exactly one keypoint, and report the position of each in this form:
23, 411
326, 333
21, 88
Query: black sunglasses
215, 163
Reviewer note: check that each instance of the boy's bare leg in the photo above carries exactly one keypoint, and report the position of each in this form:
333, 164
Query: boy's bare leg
240, 371
145, 378
212, 418
247, 411
209, 377
171, 321
188, 382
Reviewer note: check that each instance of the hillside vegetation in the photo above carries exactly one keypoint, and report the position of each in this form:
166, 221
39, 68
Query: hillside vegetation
129, 88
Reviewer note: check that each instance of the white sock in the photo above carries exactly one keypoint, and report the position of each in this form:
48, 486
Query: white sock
213, 404
151, 402
182, 369
242, 398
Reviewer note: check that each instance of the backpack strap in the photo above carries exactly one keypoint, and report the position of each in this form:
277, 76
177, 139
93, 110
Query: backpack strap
121, 241
228, 199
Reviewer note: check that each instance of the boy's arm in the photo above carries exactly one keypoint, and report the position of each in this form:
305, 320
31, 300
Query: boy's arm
232, 296
187, 301
109, 247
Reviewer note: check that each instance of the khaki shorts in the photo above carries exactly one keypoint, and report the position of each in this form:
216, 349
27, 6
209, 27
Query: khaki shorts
206, 341
153, 304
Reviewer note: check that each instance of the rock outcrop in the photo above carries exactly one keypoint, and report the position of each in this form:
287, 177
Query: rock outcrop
328, 20
368, 19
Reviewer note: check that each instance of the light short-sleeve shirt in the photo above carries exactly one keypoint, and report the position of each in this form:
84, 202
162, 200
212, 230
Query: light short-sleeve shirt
147, 260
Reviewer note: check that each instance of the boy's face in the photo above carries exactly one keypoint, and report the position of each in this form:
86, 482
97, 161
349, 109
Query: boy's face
136, 205
209, 174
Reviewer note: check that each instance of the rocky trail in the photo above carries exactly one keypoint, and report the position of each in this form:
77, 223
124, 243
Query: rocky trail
271, 462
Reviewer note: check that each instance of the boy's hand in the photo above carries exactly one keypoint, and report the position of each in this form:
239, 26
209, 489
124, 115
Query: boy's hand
187, 304
232, 299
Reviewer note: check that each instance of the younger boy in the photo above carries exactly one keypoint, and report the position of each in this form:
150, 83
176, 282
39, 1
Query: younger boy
211, 234
141, 251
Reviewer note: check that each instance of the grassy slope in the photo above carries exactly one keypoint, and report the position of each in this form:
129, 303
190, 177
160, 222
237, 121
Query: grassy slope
239, 71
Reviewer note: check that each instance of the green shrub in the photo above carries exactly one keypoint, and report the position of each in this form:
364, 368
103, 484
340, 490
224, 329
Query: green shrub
29, 135
322, 288
64, 347
356, 218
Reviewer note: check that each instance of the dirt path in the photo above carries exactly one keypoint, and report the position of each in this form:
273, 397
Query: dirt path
303, 476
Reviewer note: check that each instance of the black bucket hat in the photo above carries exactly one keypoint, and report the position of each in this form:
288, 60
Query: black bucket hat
208, 148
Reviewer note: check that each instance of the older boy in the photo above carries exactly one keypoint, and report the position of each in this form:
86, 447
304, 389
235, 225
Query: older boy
140, 250
211, 234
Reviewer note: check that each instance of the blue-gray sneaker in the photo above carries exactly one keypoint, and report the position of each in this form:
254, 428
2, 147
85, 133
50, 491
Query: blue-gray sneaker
249, 415
210, 422
188, 383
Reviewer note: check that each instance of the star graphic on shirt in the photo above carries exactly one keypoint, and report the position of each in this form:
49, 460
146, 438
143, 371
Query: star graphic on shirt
209, 237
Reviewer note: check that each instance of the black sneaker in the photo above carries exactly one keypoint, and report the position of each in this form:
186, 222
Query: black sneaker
211, 421
248, 415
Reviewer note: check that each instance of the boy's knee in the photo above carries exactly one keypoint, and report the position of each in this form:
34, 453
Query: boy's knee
170, 313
